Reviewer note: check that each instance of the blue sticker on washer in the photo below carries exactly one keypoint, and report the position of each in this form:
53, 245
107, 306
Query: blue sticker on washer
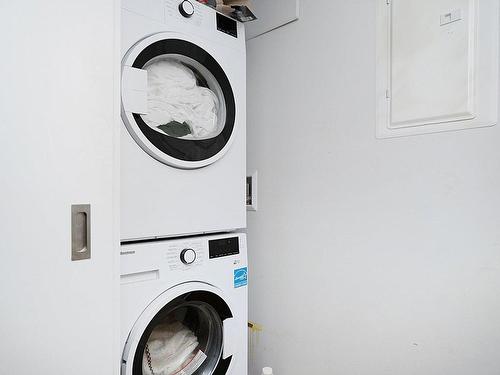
240, 277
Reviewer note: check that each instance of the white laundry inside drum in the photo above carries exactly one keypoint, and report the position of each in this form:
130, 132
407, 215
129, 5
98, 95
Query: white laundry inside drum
172, 349
184, 99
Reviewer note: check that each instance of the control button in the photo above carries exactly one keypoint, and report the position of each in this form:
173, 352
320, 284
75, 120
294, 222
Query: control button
188, 256
186, 8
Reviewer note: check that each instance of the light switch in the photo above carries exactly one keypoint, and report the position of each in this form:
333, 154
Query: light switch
453, 16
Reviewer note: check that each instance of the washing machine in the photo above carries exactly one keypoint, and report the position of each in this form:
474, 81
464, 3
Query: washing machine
183, 115
184, 306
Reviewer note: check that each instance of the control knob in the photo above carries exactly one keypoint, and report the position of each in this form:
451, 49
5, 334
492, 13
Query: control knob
186, 8
188, 256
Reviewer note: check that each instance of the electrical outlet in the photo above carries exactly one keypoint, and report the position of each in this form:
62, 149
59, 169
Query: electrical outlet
251, 194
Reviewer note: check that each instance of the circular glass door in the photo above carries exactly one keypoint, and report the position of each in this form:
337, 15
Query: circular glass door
189, 118
184, 337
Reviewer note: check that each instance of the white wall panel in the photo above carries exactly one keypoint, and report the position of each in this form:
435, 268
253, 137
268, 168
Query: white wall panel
58, 100
437, 65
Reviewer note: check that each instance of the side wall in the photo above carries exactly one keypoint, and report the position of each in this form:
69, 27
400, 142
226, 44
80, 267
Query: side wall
367, 256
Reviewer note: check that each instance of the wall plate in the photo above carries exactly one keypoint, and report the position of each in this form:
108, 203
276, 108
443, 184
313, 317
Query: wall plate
251, 192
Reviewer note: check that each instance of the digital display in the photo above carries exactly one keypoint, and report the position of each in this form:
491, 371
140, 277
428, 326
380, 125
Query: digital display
223, 247
227, 25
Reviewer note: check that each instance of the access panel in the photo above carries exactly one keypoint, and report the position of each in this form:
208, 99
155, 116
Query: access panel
437, 65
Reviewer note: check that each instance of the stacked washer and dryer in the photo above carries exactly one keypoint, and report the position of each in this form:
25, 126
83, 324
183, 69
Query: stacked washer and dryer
183, 262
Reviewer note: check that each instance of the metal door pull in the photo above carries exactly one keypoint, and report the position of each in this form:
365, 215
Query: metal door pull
80, 232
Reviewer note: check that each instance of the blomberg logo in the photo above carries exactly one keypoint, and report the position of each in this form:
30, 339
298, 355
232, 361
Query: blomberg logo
127, 252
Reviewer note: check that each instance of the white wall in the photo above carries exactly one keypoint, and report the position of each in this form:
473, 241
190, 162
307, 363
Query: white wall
367, 256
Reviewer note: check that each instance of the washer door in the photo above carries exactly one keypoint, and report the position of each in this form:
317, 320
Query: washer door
180, 335
177, 101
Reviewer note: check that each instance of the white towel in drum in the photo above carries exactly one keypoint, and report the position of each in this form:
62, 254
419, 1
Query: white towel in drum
173, 95
170, 347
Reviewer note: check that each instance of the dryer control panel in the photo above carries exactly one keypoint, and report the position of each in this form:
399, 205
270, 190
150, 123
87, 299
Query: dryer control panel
227, 25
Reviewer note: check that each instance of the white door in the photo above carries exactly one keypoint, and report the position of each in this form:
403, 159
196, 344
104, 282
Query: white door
58, 70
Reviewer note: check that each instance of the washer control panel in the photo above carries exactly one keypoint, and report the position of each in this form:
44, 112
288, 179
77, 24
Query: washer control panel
196, 251
185, 255
223, 247
188, 256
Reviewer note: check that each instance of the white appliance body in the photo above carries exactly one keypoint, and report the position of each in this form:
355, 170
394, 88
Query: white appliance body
174, 186
154, 280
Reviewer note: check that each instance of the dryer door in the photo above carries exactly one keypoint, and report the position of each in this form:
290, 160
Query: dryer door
177, 101
180, 335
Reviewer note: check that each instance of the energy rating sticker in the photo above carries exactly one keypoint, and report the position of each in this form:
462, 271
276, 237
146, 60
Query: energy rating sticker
240, 277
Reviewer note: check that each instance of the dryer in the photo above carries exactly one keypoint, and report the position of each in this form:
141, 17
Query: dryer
183, 116
184, 306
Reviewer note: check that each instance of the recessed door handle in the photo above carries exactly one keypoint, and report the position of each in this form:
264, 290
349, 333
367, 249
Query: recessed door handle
80, 232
